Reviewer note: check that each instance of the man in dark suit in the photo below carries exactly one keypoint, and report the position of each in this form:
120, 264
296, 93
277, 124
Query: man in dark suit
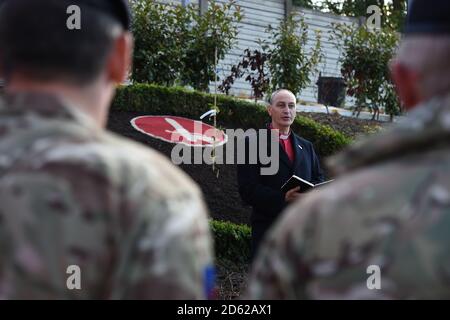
296, 157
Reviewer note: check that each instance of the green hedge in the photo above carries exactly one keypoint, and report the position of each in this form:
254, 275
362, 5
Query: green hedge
232, 241
158, 100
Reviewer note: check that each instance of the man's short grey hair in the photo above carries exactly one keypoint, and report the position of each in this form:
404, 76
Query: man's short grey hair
277, 92
430, 57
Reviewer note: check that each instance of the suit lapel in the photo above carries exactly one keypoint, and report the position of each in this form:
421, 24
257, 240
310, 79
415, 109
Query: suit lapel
284, 157
299, 152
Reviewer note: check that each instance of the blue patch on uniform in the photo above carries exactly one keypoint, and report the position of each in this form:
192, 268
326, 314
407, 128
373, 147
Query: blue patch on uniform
209, 282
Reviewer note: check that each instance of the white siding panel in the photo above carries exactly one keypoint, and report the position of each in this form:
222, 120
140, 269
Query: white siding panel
330, 66
258, 15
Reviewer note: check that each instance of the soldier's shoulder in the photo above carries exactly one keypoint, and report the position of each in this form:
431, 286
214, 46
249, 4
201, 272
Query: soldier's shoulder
358, 203
152, 164
122, 162
369, 187
356, 218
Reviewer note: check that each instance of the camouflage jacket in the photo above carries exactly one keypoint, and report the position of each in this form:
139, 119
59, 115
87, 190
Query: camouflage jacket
380, 231
72, 194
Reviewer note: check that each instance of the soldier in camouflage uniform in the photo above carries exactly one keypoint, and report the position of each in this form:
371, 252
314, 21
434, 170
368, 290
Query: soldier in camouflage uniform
72, 194
388, 215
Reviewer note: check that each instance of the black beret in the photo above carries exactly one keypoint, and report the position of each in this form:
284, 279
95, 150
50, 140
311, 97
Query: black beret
117, 9
428, 17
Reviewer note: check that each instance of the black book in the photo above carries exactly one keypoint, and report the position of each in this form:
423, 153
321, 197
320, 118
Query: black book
304, 185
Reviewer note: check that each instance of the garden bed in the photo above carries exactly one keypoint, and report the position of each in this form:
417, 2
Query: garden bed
351, 127
221, 194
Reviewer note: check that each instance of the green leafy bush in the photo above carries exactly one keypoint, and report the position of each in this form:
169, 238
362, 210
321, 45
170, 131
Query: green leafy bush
234, 113
160, 32
231, 241
177, 44
282, 62
290, 64
210, 37
365, 65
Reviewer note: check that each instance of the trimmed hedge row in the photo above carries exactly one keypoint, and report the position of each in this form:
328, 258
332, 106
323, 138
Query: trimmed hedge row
231, 241
158, 100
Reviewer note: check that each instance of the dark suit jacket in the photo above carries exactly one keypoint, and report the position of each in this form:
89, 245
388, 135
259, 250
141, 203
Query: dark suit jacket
263, 192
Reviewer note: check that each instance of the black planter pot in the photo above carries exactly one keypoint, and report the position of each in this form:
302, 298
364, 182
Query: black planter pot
332, 91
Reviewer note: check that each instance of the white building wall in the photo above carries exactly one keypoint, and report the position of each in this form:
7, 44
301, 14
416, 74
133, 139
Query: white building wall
258, 15
330, 66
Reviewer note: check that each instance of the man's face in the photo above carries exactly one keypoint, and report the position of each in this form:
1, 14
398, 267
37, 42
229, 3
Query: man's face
283, 109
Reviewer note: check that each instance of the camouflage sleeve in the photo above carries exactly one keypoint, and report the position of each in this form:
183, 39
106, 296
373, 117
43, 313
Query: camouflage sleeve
56, 216
170, 256
134, 226
320, 249
169, 250
354, 240
275, 274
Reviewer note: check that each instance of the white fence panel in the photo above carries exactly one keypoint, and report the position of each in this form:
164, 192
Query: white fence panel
258, 15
